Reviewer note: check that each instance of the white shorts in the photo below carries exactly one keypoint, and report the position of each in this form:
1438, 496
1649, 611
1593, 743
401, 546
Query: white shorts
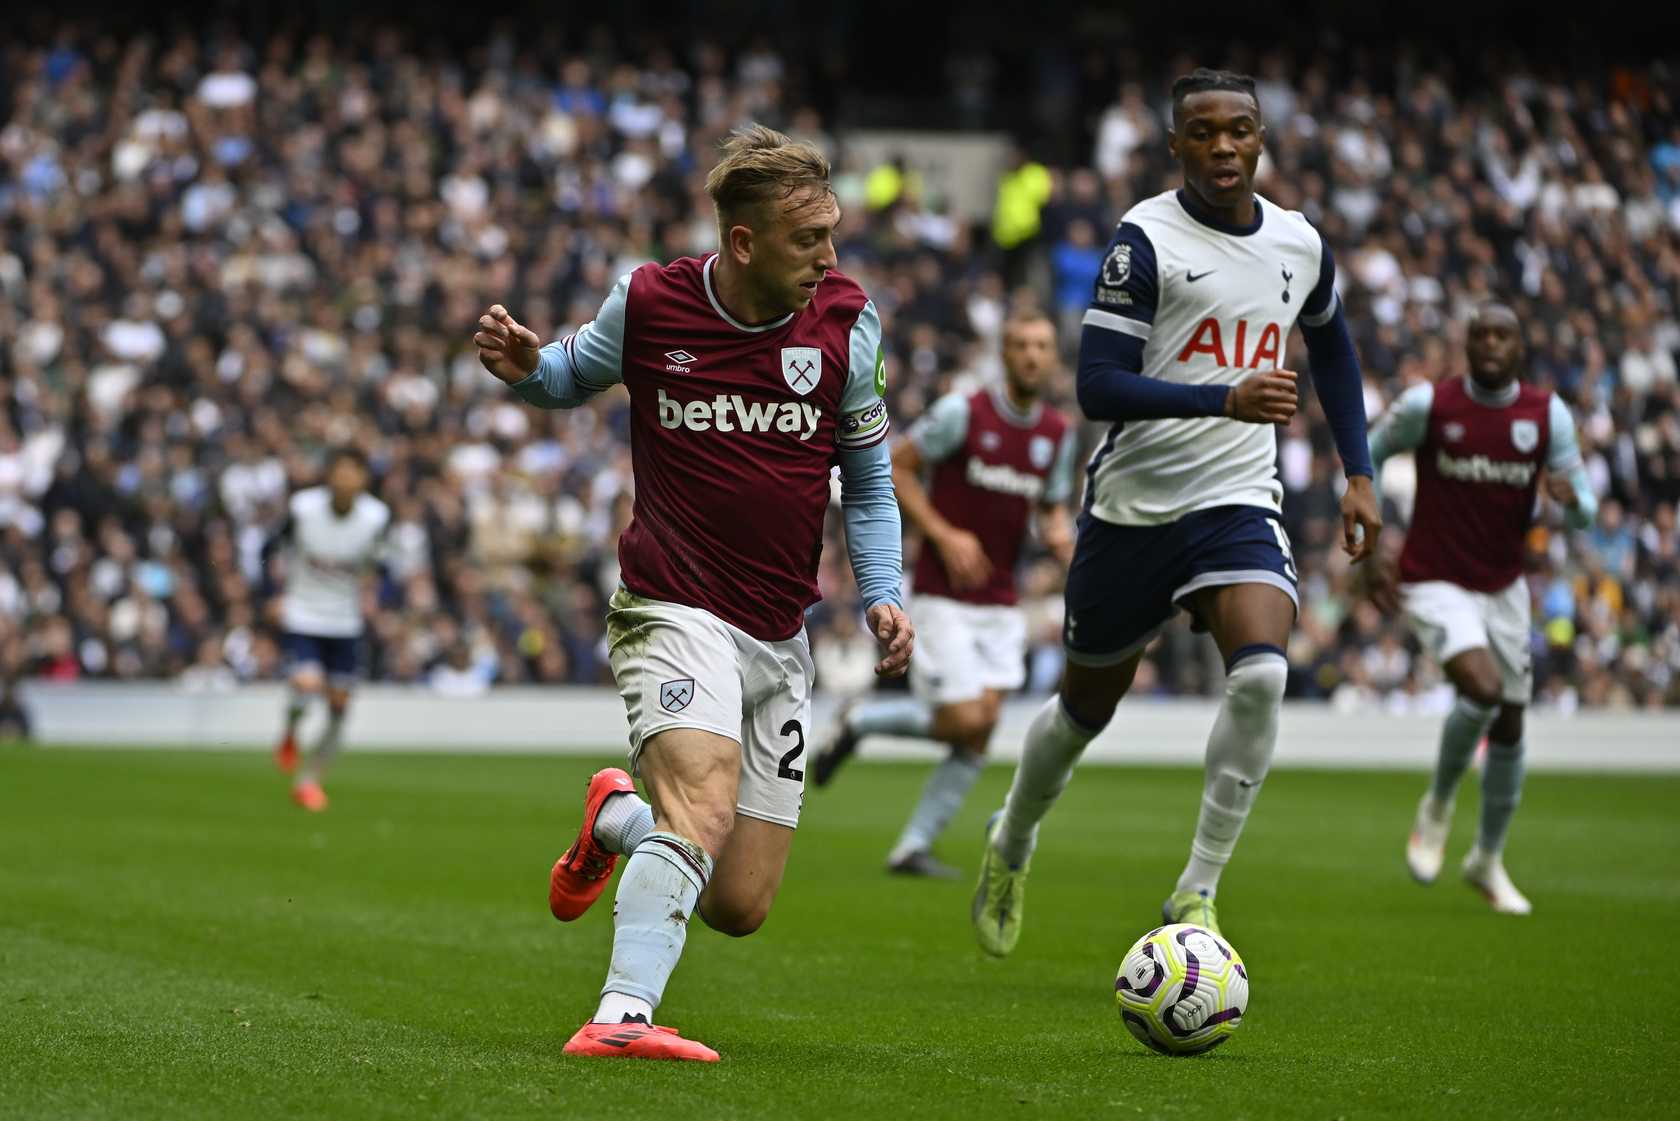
963, 649
681, 667
1448, 620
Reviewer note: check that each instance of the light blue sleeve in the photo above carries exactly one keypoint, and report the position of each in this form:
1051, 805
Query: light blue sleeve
577, 367
1563, 457
1401, 429
940, 432
863, 405
1059, 488
873, 531
1405, 424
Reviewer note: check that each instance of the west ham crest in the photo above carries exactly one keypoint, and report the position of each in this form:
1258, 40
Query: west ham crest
1525, 435
1040, 451
674, 696
802, 368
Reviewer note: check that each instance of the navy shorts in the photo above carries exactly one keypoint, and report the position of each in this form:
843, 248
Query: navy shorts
1127, 581
339, 658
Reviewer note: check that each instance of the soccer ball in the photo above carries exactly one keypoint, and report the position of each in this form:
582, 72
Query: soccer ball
1182, 990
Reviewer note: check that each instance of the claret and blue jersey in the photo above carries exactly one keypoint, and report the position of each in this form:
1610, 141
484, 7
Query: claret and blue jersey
735, 430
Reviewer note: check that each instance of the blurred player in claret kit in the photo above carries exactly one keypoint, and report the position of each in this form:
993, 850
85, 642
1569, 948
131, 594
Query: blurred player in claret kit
1482, 443
1181, 350
751, 373
330, 539
998, 456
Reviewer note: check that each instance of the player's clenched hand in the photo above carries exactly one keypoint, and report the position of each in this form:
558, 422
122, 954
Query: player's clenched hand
1264, 398
891, 628
506, 347
1361, 519
964, 558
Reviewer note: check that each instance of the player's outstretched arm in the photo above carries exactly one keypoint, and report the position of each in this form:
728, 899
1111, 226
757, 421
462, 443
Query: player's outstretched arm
506, 347
873, 542
563, 374
1566, 475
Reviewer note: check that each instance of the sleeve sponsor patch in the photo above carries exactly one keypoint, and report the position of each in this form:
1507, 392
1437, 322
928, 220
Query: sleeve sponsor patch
1111, 278
864, 424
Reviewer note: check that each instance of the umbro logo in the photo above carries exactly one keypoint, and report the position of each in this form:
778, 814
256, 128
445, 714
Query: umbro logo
1192, 277
680, 361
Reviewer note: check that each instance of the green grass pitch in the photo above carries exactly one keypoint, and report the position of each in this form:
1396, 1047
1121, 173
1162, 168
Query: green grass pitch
177, 941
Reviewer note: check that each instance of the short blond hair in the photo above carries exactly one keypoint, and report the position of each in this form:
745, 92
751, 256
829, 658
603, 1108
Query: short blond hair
760, 164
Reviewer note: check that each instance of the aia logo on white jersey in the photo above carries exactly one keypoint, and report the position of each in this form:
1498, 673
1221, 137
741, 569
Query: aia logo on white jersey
1211, 340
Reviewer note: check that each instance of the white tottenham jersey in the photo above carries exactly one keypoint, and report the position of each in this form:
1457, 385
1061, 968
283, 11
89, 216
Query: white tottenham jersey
1212, 305
326, 561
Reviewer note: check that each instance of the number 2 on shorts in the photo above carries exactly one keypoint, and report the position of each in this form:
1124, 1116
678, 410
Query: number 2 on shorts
786, 769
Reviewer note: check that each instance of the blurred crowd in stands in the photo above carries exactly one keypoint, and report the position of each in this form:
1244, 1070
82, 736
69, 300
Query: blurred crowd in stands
221, 258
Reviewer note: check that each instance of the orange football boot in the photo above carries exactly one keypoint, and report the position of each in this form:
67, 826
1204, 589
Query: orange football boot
581, 875
636, 1040
310, 796
286, 754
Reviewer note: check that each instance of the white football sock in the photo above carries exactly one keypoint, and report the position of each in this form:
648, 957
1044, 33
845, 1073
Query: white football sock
1239, 752
1502, 778
622, 823
326, 748
891, 716
656, 895
1054, 744
617, 1007
941, 798
1465, 726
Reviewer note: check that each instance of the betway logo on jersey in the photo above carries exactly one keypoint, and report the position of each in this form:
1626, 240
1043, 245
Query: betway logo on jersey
1481, 469
1211, 340
730, 412
1003, 479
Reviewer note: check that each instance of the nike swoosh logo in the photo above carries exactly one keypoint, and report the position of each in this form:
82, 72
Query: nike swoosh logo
1192, 277
1246, 783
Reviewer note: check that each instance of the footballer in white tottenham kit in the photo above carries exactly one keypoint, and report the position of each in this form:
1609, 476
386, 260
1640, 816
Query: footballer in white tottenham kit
1181, 352
331, 538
